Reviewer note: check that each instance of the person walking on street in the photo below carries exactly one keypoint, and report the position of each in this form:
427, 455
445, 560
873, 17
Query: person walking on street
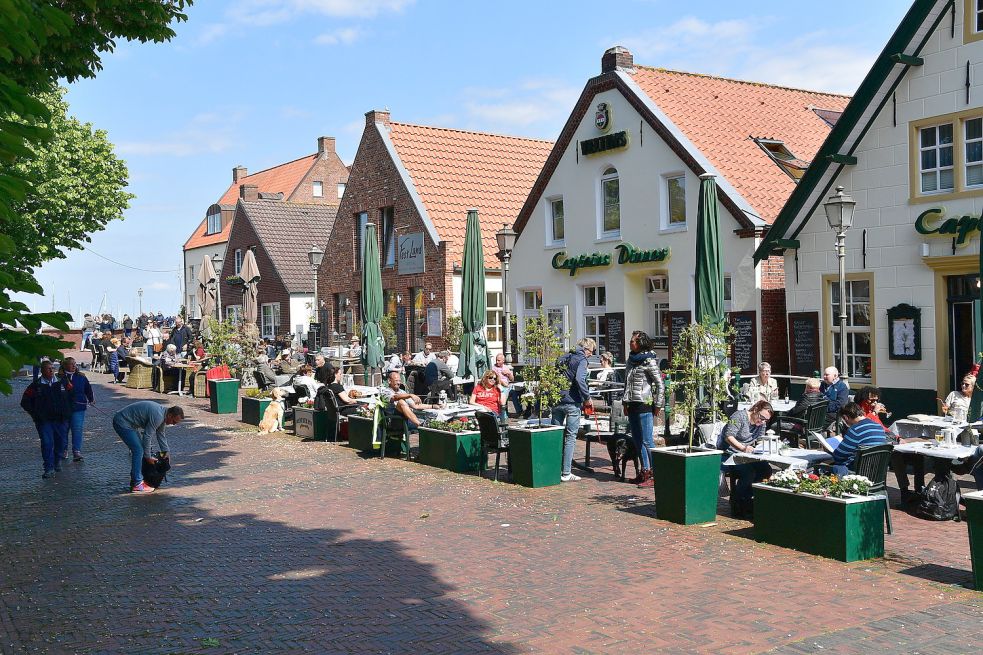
88, 329
643, 399
138, 425
127, 326
49, 402
567, 411
82, 397
154, 339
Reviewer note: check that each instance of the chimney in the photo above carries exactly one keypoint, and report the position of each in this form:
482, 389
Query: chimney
238, 173
325, 144
377, 116
249, 192
616, 58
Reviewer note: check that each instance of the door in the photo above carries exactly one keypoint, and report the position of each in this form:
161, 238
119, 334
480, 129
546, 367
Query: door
962, 291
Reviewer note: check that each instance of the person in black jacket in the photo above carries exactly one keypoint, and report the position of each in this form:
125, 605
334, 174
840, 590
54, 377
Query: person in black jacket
181, 335
50, 401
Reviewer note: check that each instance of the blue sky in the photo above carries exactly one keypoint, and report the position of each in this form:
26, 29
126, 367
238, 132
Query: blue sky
255, 82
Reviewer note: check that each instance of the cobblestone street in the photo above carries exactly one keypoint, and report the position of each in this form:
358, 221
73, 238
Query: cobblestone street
266, 544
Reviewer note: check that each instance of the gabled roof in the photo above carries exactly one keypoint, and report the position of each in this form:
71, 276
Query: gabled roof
278, 179
712, 123
876, 89
454, 170
286, 230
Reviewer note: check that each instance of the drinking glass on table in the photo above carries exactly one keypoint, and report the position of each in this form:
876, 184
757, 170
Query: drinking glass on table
939, 438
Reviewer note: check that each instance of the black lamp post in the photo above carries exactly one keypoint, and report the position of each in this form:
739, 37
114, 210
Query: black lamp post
506, 238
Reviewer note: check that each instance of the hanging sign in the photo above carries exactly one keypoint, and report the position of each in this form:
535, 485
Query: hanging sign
930, 222
410, 253
606, 143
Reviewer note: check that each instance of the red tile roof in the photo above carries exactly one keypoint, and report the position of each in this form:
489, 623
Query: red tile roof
454, 170
722, 117
278, 179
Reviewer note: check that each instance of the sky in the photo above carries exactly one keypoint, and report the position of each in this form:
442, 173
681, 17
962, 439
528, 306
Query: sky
255, 82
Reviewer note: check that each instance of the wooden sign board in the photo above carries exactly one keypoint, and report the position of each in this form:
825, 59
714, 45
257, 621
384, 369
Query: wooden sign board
803, 343
615, 342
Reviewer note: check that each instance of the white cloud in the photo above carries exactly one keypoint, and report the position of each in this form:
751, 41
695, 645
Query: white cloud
343, 36
205, 133
535, 107
269, 12
211, 33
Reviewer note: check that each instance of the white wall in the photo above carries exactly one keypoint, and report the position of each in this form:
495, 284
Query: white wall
193, 257
300, 312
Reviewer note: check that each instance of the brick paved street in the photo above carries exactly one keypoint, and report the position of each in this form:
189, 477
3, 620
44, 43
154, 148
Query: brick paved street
265, 544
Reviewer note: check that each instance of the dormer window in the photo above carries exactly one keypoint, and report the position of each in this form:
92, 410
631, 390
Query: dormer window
213, 223
794, 167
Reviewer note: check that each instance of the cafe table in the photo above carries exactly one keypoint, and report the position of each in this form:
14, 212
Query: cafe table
924, 426
363, 390
451, 411
182, 368
934, 450
795, 458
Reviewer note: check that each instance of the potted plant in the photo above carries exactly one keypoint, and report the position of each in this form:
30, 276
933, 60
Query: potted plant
687, 477
454, 445
974, 517
363, 426
311, 423
537, 447
254, 404
822, 515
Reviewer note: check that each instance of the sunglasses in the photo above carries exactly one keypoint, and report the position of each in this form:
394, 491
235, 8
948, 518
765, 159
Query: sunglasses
967, 384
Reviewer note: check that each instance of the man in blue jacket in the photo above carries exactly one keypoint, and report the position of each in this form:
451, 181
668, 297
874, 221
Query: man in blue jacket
567, 411
49, 402
835, 391
82, 395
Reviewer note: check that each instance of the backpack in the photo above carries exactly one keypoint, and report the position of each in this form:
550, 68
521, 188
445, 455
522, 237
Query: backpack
155, 474
938, 500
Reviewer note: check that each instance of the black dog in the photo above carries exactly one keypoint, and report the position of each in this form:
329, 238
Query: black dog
621, 449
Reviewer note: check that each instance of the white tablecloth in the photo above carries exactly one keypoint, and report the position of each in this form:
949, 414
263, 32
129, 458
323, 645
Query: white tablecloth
778, 405
913, 429
932, 450
797, 458
449, 412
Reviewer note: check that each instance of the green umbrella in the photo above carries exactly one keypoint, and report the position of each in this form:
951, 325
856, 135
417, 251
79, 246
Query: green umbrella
709, 278
373, 345
473, 360
976, 403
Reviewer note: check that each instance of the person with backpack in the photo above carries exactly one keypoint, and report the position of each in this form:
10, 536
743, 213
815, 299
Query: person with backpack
567, 411
49, 401
643, 399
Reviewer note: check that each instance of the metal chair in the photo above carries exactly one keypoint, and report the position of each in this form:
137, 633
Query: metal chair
811, 424
873, 463
327, 401
493, 441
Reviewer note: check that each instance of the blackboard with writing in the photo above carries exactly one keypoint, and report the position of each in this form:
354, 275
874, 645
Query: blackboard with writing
744, 351
803, 342
401, 329
616, 335
678, 321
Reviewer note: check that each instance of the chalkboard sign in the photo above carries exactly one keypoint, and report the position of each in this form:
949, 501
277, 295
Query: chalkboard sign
678, 321
401, 329
616, 335
314, 337
744, 351
803, 342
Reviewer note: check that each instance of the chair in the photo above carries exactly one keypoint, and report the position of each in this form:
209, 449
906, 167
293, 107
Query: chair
811, 424
141, 375
327, 402
165, 381
199, 384
873, 463
394, 429
261, 382
493, 441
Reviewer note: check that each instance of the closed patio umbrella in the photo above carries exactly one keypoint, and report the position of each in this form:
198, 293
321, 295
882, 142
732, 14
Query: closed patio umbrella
249, 272
373, 343
709, 277
206, 288
473, 359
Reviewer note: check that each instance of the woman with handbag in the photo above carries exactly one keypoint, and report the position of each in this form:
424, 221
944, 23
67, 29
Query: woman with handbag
153, 338
643, 399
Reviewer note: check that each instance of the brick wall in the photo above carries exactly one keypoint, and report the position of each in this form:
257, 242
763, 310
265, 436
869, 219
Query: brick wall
774, 325
329, 170
375, 183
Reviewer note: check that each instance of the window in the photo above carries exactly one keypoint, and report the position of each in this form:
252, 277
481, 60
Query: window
935, 158
317, 189
728, 293
213, 223
269, 320
610, 204
972, 20
660, 324
555, 227
233, 313
794, 167
595, 306
388, 237
556, 318
238, 261
676, 198
974, 151
532, 300
193, 308
191, 276
341, 189
361, 220
858, 313
493, 315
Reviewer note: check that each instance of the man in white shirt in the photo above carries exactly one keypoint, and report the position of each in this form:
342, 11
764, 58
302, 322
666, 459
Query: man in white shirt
397, 361
425, 356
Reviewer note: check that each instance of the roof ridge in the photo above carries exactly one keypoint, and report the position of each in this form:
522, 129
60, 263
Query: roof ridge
270, 168
740, 81
454, 129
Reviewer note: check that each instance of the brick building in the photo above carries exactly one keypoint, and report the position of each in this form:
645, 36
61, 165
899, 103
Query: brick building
624, 179
318, 178
416, 184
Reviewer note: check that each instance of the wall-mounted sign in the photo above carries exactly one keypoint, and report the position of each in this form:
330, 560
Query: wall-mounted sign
410, 253
606, 143
905, 324
930, 222
602, 117
627, 254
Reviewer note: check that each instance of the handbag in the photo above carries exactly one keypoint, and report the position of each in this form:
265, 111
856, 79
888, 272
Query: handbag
158, 347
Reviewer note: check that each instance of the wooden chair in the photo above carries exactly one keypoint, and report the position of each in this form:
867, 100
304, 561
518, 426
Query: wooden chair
811, 425
873, 463
493, 441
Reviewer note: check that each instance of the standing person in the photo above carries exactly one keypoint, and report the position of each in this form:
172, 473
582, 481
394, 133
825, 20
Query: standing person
835, 391
115, 353
567, 411
181, 335
127, 325
738, 436
762, 386
643, 399
88, 329
137, 425
82, 397
49, 401
154, 339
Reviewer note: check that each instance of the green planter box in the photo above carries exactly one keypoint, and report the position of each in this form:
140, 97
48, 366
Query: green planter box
974, 518
455, 451
847, 529
253, 409
535, 455
313, 424
360, 435
223, 396
686, 484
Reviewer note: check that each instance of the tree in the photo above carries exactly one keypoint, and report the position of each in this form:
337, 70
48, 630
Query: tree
541, 348
699, 363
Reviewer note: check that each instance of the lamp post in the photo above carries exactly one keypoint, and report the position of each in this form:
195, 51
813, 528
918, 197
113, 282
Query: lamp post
839, 212
217, 265
506, 242
140, 296
315, 256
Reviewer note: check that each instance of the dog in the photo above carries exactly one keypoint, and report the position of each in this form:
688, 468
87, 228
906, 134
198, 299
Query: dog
621, 449
273, 416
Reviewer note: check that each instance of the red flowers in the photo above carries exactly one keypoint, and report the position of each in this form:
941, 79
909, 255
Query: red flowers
813, 477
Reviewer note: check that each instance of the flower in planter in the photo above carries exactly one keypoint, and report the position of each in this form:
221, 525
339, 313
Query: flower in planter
820, 485
308, 404
462, 424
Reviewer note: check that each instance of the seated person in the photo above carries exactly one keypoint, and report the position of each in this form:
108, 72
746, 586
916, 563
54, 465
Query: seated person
607, 367
168, 359
437, 375
761, 387
738, 436
861, 431
270, 377
346, 400
836, 392
869, 400
196, 352
425, 356
397, 361
488, 394
398, 401
956, 404
285, 365
305, 378
323, 370
354, 348
810, 397
140, 355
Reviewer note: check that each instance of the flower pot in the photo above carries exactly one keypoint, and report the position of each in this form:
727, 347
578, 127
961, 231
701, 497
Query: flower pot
536, 455
253, 409
310, 423
223, 396
686, 484
455, 451
847, 529
360, 435
974, 518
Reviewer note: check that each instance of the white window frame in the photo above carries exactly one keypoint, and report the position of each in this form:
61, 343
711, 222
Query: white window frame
213, 223
494, 311
525, 311
606, 177
317, 189
551, 238
853, 331
559, 317
668, 226
977, 7
233, 313
268, 328
341, 190
593, 311
237, 261
967, 142
728, 292
937, 148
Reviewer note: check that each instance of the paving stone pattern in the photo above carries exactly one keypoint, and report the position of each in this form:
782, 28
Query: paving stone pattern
266, 544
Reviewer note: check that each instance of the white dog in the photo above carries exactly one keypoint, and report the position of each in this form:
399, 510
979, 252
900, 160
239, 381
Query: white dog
273, 416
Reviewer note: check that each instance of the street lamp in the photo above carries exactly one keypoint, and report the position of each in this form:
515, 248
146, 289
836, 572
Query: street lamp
506, 242
315, 256
217, 265
839, 212
140, 295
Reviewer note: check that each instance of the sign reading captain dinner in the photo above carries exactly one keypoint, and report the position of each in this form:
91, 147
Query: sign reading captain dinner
930, 222
410, 250
627, 254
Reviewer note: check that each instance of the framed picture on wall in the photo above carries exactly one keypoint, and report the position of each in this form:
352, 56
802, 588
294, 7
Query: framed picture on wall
435, 322
904, 332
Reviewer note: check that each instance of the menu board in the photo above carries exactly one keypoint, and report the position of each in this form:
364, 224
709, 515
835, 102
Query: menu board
401, 329
678, 321
803, 342
616, 335
744, 350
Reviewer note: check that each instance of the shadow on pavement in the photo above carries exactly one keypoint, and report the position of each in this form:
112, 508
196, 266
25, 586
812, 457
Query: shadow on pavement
942, 574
